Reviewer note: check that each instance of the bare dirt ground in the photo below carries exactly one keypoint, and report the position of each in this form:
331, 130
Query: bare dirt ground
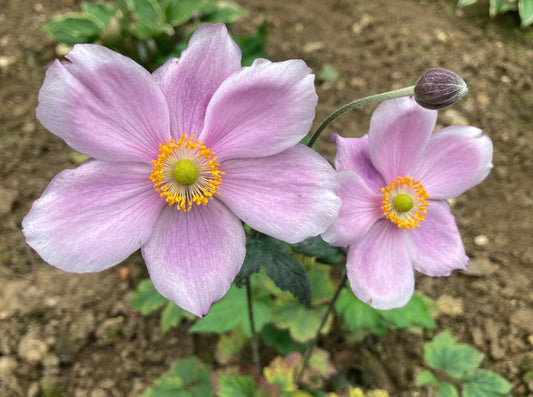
77, 333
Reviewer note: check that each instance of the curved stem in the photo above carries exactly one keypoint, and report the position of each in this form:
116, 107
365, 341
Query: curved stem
310, 348
255, 346
407, 91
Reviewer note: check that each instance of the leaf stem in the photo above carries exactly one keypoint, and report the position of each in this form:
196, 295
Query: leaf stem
311, 347
406, 91
255, 346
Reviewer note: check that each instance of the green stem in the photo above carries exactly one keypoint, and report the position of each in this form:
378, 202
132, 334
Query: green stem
255, 346
407, 91
311, 347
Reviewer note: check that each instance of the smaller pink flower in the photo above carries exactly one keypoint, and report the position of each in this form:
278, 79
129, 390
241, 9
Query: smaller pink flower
394, 184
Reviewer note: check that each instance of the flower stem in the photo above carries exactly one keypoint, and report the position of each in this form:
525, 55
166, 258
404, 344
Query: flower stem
255, 346
311, 347
406, 91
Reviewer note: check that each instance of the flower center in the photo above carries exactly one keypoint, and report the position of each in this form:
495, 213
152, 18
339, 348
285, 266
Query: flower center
186, 173
405, 202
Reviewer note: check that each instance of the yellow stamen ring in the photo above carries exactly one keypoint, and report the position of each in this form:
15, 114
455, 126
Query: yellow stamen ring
405, 202
186, 173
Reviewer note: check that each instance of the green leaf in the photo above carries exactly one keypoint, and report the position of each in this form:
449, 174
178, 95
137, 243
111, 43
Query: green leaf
232, 311
252, 46
483, 383
287, 273
357, 315
224, 11
280, 339
102, 12
149, 19
229, 345
426, 377
453, 358
186, 378
525, 8
500, 6
416, 312
172, 315
252, 261
146, 298
446, 389
464, 3
319, 249
236, 386
328, 73
73, 28
302, 323
179, 12
321, 284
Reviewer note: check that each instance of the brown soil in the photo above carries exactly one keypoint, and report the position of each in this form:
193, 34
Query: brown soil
77, 333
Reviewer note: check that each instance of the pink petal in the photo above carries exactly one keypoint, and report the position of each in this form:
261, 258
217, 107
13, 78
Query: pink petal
361, 208
189, 83
353, 155
289, 196
379, 267
104, 105
261, 110
398, 135
93, 217
436, 246
456, 159
194, 256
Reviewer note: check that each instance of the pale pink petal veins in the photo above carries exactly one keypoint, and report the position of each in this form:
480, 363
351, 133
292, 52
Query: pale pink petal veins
436, 247
399, 132
289, 196
105, 105
189, 83
456, 159
94, 216
361, 208
379, 267
261, 110
193, 257
353, 155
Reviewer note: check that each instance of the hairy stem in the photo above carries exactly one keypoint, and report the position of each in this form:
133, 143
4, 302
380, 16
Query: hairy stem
407, 91
255, 346
311, 347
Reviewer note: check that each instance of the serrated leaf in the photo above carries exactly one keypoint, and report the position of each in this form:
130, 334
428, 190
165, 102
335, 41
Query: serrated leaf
280, 371
426, 377
485, 383
525, 9
186, 378
453, 358
236, 386
446, 389
146, 298
287, 273
172, 315
302, 323
252, 261
73, 28
319, 249
102, 12
319, 370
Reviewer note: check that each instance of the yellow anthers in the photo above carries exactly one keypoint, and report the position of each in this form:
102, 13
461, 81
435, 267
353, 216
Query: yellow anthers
186, 173
405, 202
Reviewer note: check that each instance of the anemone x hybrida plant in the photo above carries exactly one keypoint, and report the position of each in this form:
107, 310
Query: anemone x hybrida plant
178, 159
394, 184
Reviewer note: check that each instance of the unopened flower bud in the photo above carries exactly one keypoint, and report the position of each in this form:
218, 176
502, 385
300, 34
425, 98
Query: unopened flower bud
439, 88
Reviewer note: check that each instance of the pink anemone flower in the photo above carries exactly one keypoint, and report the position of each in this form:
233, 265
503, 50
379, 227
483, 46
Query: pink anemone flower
394, 184
179, 158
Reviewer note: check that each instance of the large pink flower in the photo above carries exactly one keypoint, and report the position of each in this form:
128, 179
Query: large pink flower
394, 184
179, 158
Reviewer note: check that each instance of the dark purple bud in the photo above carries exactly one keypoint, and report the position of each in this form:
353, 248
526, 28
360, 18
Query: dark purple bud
439, 88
